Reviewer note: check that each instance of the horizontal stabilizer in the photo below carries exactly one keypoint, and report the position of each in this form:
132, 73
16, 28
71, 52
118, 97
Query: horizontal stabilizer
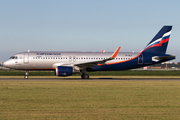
162, 58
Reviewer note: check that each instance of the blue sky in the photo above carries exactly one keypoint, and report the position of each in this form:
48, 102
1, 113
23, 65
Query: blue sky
85, 25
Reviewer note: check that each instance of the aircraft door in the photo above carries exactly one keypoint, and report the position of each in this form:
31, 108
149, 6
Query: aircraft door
140, 59
74, 59
70, 59
26, 58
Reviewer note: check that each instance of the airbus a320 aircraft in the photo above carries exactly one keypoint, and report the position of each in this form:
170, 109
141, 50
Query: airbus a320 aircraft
67, 63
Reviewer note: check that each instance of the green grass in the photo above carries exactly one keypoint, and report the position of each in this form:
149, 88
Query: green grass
98, 73
22, 73
89, 100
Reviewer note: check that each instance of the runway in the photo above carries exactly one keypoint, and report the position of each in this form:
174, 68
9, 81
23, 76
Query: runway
92, 79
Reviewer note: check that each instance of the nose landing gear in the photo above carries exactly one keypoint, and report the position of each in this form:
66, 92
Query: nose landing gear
26, 74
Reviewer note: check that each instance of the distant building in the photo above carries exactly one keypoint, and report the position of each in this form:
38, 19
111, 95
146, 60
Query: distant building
157, 67
147, 68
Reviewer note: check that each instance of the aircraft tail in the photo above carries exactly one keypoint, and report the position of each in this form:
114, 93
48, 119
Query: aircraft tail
160, 42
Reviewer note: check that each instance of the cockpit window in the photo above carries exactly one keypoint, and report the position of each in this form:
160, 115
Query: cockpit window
13, 57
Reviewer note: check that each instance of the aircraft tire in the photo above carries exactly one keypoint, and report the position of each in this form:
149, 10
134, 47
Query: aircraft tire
85, 76
26, 77
82, 76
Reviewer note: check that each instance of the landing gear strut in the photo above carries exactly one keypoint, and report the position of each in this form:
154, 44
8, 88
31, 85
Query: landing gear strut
85, 76
26, 74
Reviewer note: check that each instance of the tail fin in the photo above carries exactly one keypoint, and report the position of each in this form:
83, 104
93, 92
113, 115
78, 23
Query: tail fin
159, 43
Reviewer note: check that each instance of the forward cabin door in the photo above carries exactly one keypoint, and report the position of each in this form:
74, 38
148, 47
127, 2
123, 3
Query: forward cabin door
26, 58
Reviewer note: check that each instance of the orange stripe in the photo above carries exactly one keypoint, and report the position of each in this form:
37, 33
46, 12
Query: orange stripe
116, 52
119, 61
57, 73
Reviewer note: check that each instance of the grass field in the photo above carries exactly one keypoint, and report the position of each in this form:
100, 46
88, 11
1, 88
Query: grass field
90, 99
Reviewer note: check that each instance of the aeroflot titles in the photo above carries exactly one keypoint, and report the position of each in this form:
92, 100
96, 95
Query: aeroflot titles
48, 53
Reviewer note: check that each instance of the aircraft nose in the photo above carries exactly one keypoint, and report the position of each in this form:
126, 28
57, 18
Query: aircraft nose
6, 64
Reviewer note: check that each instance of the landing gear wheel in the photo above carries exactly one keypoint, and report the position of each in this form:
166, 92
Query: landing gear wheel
26, 77
85, 76
26, 74
82, 76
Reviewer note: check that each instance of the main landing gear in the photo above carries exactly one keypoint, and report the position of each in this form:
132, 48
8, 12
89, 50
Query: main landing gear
85, 76
26, 74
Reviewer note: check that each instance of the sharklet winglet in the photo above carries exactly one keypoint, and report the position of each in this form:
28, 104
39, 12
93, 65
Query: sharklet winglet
115, 53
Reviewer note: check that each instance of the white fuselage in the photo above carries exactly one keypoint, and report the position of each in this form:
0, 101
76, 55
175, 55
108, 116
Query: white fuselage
49, 60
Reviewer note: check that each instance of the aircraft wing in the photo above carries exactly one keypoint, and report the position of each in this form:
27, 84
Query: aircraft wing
94, 63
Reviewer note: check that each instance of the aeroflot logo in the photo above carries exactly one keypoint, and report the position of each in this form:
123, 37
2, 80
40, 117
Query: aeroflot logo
48, 53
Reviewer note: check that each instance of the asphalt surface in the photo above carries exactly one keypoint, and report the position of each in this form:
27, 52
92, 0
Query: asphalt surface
92, 79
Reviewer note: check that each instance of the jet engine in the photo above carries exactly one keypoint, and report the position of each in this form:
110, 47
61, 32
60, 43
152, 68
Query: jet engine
65, 70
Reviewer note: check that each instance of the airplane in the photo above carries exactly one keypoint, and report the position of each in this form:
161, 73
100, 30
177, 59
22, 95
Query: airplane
68, 63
